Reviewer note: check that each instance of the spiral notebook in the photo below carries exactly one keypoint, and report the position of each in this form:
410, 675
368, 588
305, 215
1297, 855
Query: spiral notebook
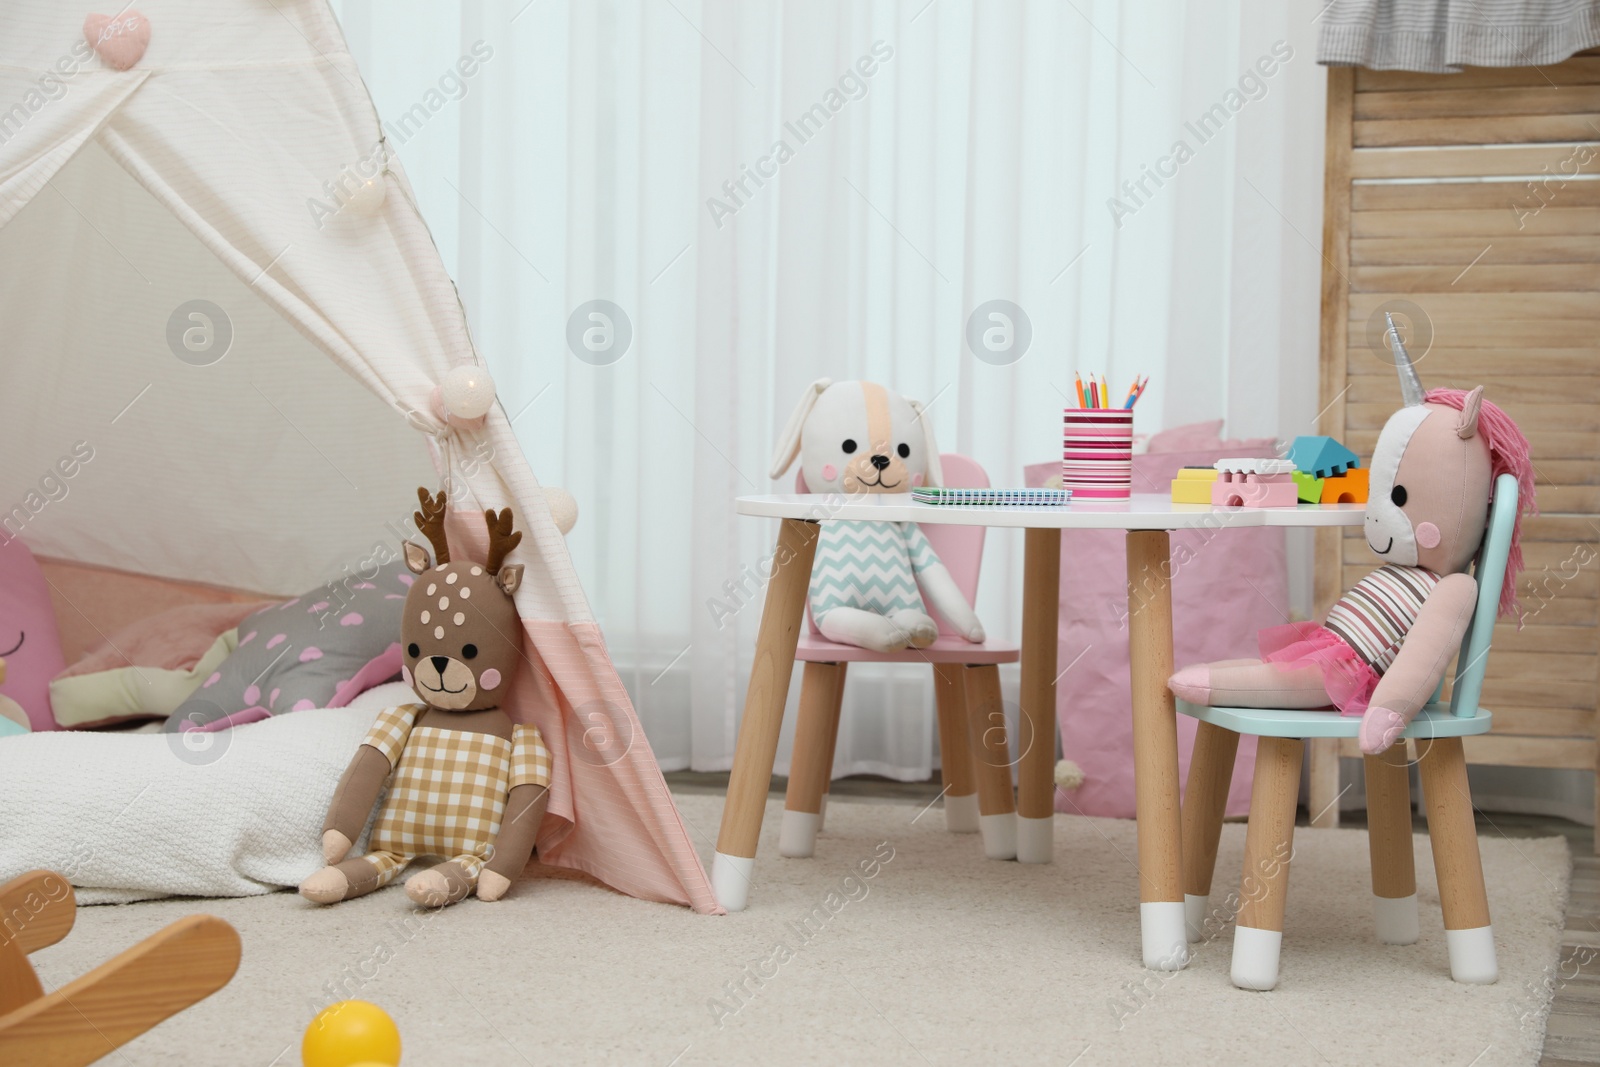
943, 495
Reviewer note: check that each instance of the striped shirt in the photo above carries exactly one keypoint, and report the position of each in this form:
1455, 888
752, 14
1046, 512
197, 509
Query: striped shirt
1376, 614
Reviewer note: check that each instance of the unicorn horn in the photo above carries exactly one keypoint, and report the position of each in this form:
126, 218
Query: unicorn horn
1410, 385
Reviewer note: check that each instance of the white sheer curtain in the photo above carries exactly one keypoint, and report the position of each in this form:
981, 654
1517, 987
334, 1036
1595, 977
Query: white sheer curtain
937, 155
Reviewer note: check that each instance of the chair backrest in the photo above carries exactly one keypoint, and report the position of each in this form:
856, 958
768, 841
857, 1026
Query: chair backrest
960, 548
1490, 570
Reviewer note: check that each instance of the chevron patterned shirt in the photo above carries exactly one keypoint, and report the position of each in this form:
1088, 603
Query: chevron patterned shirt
1376, 614
869, 565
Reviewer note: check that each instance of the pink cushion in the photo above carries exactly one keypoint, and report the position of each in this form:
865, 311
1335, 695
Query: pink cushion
174, 639
1186, 438
1201, 436
29, 642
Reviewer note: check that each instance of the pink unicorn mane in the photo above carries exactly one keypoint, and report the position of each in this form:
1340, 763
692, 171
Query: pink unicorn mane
1508, 454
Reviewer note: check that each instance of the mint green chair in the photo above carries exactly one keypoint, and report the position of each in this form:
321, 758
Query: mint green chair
1269, 843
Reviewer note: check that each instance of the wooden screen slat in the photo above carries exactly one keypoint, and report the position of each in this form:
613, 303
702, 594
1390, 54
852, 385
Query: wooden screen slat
1485, 362
1430, 196
1458, 252
1467, 276
1477, 306
1580, 70
1500, 161
1476, 129
1477, 100
1545, 443
1579, 418
1526, 399
1514, 219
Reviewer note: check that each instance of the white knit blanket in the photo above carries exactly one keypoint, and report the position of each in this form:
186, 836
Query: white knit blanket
134, 816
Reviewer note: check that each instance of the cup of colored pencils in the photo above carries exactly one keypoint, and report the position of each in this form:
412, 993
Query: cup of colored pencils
1097, 441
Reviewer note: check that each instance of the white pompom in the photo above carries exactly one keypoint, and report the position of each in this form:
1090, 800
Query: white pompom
563, 509
1068, 774
367, 198
468, 392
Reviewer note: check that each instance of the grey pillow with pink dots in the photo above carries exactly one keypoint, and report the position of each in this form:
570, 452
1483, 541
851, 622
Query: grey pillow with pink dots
316, 651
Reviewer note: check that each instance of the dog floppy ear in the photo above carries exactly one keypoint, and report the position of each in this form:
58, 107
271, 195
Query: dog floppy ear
935, 473
789, 443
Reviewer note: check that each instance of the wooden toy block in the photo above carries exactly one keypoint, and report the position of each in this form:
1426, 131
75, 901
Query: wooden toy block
1322, 457
1309, 486
1193, 485
1349, 488
1255, 483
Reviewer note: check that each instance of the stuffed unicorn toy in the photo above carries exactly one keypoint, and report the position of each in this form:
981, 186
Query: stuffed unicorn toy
1384, 645
870, 579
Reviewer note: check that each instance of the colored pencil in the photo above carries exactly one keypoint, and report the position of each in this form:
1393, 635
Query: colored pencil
1077, 380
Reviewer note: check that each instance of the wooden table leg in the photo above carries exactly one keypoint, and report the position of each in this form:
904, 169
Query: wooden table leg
1155, 750
1041, 597
781, 618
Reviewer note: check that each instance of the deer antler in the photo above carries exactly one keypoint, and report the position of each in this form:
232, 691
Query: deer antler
430, 520
502, 539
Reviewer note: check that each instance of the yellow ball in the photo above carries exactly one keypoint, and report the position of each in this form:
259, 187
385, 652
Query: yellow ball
351, 1033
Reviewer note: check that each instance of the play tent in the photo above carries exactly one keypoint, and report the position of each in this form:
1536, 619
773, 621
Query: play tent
194, 292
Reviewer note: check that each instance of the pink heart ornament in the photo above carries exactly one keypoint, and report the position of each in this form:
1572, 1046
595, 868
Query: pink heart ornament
119, 40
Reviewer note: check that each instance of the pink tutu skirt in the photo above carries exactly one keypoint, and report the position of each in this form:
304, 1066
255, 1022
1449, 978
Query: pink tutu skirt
1347, 677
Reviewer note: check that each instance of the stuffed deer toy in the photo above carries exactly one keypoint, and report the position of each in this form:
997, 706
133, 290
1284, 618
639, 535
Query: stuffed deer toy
1385, 644
466, 784
870, 579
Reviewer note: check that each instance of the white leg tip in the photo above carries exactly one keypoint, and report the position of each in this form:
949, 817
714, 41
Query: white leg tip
730, 880
1194, 916
1396, 919
797, 835
1472, 956
822, 813
1255, 957
961, 813
1036, 839
1161, 935
999, 835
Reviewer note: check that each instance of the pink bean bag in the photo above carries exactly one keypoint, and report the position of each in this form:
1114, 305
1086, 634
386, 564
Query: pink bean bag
1226, 586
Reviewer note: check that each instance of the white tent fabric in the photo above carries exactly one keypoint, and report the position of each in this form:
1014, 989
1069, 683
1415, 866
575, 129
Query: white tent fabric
248, 454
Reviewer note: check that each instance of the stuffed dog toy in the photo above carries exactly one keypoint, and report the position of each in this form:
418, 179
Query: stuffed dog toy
469, 785
870, 578
1385, 644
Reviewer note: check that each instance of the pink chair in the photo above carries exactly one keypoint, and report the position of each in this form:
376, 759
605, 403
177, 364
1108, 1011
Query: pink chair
966, 693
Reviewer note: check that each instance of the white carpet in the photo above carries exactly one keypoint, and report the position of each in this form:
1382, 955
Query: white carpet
940, 957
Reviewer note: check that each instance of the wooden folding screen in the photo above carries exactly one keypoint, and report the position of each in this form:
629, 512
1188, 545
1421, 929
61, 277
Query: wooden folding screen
1466, 203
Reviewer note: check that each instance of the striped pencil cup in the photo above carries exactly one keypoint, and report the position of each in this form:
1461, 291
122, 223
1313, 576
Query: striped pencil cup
1097, 453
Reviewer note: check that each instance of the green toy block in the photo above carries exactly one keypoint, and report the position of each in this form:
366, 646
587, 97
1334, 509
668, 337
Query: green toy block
1308, 486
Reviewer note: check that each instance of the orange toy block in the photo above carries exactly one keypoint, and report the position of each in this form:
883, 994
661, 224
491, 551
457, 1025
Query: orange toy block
1348, 488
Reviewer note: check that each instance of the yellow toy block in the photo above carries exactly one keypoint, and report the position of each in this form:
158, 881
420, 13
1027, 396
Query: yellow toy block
1193, 485
1348, 488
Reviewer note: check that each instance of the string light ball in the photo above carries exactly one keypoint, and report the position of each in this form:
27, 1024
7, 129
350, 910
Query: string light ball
468, 392
367, 198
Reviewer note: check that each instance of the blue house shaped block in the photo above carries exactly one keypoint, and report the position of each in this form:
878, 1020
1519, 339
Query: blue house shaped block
1322, 457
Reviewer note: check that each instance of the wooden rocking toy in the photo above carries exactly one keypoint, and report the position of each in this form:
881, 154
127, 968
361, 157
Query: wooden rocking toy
100, 1012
